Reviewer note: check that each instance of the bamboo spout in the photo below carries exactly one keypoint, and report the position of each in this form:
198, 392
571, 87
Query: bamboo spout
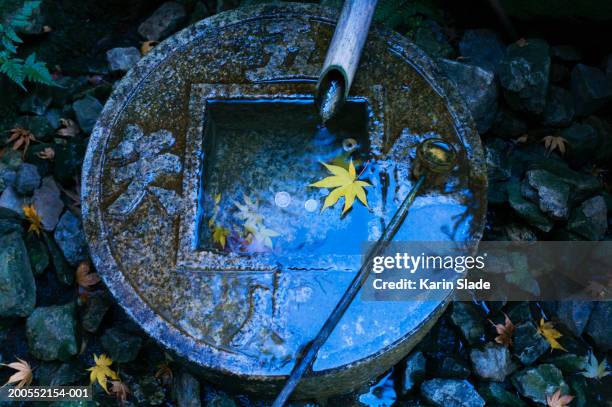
343, 56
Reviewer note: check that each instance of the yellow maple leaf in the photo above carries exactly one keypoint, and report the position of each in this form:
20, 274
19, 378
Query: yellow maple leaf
23, 377
345, 184
220, 235
102, 371
32, 216
547, 330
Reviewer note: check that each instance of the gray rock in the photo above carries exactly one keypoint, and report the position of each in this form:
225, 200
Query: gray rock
530, 212
11, 200
38, 254
478, 88
38, 125
69, 237
17, 286
482, 48
566, 53
27, 179
87, 111
187, 390
496, 151
58, 374
599, 327
524, 75
574, 314
591, 89
568, 363
48, 203
412, 373
468, 319
583, 143
451, 393
495, 394
494, 362
538, 382
507, 124
122, 59
94, 310
448, 367
121, 346
559, 110
7, 177
552, 193
590, 219
163, 22
51, 332
35, 104
529, 345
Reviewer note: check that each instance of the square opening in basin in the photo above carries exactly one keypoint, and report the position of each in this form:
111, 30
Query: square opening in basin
260, 159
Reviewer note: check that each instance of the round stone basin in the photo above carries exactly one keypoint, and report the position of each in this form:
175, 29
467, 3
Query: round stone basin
201, 217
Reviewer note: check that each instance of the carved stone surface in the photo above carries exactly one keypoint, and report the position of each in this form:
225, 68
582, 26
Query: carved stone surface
241, 319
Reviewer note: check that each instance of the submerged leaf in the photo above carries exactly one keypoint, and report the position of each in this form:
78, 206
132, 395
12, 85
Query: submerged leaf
593, 369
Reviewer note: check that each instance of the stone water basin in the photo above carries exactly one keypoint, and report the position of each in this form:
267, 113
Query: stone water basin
201, 219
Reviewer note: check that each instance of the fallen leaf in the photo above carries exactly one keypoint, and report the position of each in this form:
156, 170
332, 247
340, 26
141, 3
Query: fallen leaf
21, 139
68, 128
23, 377
261, 235
523, 139
552, 143
32, 216
147, 46
101, 371
549, 333
84, 277
164, 374
47, 29
47, 153
522, 42
504, 332
557, 400
219, 235
119, 390
345, 184
249, 211
593, 369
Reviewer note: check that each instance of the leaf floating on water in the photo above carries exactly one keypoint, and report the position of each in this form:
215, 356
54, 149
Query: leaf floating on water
593, 369
345, 184
23, 377
262, 235
547, 330
219, 235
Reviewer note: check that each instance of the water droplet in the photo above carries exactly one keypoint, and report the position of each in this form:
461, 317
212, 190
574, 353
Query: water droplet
349, 144
311, 205
282, 199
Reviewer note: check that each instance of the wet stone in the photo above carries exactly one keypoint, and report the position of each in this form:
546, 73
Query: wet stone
508, 124
590, 219
451, 393
48, 203
27, 179
39, 126
187, 390
574, 314
35, 104
530, 212
449, 367
38, 253
69, 237
163, 22
529, 345
9, 199
599, 328
552, 193
17, 287
559, 110
122, 59
493, 362
469, 320
121, 346
539, 382
94, 310
51, 332
591, 89
87, 111
568, 363
478, 88
412, 372
430, 37
583, 143
524, 75
225, 266
496, 394
482, 48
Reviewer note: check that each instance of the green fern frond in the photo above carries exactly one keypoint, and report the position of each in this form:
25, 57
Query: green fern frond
13, 68
22, 17
36, 71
